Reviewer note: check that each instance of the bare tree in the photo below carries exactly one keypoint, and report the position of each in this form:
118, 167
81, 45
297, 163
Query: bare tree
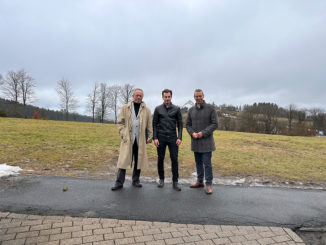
26, 85
1, 79
103, 106
126, 93
68, 102
93, 100
114, 95
291, 115
11, 86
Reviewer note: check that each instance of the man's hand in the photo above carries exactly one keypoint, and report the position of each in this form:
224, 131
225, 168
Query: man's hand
195, 135
200, 135
179, 142
148, 141
156, 142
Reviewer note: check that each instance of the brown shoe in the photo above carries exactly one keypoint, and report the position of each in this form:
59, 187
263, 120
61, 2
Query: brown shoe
197, 185
209, 190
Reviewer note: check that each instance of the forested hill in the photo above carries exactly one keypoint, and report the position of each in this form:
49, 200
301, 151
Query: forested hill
11, 109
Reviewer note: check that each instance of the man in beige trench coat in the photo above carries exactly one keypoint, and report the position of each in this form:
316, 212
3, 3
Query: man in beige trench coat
135, 129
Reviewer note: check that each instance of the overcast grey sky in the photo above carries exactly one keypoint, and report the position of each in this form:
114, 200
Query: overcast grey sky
237, 51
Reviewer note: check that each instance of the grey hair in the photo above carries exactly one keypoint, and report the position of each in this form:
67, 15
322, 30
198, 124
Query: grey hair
139, 90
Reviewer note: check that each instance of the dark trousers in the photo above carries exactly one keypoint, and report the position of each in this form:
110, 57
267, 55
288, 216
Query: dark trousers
136, 172
204, 159
173, 148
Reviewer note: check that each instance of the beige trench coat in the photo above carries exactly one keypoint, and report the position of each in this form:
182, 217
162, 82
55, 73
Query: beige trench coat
125, 132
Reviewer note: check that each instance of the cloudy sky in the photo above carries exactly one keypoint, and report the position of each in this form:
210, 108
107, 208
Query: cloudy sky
237, 51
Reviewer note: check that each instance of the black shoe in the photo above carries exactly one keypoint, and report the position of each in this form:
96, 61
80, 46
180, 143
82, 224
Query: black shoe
137, 184
176, 186
117, 187
160, 183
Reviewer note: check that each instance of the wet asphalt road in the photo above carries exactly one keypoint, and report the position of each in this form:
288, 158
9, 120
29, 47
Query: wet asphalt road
228, 205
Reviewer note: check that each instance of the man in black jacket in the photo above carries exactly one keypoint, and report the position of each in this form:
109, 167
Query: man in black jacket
167, 117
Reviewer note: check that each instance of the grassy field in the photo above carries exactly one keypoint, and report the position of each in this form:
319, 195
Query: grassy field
86, 149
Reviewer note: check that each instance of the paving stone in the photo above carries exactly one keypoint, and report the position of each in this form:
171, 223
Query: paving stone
140, 227
239, 239
7, 237
193, 226
262, 228
266, 234
196, 232
36, 240
209, 236
18, 229
110, 242
3, 231
27, 234
62, 224
229, 227
17, 216
278, 230
50, 231
122, 229
71, 241
283, 238
102, 231
50, 243
206, 242
266, 241
92, 226
122, 241
40, 227
4, 214
168, 229
152, 231
224, 234
221, 241
161, 224
172, 241
161, 236
93, 238
253, 236
147, 223
82, 233
127, 222
72, 229
113, 236
14, 242
133, 233
253, 242
212, 228
32, 222
159, 242
194, 238
60, 236
177, 234
10, 225
144, 238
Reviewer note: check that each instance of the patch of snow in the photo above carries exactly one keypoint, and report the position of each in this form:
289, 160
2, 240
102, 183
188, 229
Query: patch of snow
6, 170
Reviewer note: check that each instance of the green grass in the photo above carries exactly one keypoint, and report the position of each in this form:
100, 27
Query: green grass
73, 149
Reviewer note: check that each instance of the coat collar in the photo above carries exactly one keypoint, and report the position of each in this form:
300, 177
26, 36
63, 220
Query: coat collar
142, 104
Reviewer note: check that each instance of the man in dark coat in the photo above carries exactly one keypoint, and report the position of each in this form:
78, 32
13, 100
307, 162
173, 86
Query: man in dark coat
201, 123
167, 117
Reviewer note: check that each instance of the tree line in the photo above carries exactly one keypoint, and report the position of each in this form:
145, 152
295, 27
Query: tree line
19, 88
103, 99
269, 118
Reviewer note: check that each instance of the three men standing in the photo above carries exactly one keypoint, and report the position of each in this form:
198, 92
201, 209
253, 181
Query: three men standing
135, 130
201, 123
167, 117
